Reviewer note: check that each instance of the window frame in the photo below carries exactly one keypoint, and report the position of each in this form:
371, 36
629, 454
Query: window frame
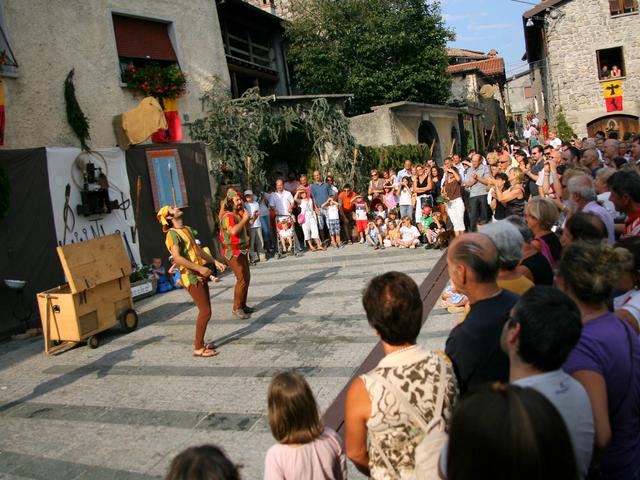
622, 65
621, 11
530, 88
171, 31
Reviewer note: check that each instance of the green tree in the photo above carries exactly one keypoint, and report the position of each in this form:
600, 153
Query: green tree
565, 132
382, 51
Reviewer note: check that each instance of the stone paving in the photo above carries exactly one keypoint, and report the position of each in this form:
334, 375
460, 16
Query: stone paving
124, 410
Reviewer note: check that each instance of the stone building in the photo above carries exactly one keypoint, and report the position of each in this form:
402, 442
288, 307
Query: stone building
520, 99
281, 8
449, 129
572, 47
51, 37
478, 81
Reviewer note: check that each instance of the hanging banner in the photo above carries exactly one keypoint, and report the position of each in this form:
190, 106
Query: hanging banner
614, 104
173, 133
612, 89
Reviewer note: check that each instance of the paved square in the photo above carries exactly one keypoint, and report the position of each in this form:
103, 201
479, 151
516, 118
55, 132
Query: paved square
124, 410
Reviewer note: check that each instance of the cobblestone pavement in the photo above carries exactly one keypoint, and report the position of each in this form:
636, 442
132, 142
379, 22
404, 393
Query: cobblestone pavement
124, 410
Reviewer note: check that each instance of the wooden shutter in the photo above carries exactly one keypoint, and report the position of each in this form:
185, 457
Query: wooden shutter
138, 38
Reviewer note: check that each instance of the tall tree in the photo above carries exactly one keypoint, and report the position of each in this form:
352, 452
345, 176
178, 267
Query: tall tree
380, 50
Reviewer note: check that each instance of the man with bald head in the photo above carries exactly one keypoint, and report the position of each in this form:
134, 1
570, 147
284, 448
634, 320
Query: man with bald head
591, 160
474, 345
611, 151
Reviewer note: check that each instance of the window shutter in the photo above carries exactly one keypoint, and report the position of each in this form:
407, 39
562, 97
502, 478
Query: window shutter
138, 38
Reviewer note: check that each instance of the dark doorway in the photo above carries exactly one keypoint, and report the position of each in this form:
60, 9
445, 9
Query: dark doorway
428, 135
620, 124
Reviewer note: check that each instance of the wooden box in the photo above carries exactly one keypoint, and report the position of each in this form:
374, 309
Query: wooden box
97, 297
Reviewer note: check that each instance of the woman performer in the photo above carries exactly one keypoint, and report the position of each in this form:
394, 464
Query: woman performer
191, 261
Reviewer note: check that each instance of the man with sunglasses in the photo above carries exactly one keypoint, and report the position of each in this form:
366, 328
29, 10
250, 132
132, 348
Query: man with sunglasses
537, 165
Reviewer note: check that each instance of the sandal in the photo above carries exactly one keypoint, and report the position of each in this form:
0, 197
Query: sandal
205, 352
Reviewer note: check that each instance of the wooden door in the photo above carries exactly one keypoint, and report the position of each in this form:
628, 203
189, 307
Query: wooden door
621, 124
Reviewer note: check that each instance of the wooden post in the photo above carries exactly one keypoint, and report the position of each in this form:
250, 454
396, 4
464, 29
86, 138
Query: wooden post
248, 164
453, 146
493, 129
173, 190
433, 146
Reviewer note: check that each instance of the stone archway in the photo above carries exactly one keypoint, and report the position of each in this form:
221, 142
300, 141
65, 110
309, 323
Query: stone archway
621, 124
428, 135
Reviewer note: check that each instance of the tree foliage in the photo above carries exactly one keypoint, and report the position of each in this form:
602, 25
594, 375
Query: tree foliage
382, 51
236, 132
565, 132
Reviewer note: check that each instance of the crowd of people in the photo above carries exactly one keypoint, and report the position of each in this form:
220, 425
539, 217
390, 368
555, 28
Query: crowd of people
540, 378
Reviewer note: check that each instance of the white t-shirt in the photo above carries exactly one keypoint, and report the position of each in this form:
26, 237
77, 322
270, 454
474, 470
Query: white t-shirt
252, 207
280, 202
409, 233
603, 198
556, 143
405, 197
630, 302
333, 213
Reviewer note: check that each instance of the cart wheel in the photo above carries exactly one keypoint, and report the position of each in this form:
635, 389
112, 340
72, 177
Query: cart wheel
129, 320
93, 342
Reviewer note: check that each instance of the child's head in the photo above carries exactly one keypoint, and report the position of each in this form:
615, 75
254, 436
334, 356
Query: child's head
406, 221
392, 214
426, 211
392, 171
203, 462
358, 197
157, 262
293, 412
392, 225
379, 221
437, 215
380, 207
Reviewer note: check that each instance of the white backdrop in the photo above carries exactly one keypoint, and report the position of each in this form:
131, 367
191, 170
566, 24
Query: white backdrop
60, 167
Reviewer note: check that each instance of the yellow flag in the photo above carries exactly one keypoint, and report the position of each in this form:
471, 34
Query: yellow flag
612, 89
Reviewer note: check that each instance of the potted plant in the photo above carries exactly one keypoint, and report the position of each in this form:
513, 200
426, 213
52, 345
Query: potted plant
142, 283
156, 81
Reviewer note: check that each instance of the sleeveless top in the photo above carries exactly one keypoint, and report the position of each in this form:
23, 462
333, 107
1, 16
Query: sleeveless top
516, 206
415, 371
453, 189
422, 184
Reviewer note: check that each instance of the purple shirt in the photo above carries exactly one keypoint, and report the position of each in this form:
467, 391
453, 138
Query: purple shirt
605, 216
604, 348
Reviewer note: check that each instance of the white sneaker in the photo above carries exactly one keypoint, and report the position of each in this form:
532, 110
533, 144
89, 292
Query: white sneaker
362, 240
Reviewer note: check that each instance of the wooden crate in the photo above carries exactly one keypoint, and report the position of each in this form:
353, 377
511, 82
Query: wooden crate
96, 298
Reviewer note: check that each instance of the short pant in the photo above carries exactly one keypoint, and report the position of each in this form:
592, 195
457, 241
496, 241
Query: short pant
361, 225
334, 226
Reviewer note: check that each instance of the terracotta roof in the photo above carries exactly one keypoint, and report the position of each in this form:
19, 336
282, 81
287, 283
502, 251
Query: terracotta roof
461, 52
491, 66
541, 7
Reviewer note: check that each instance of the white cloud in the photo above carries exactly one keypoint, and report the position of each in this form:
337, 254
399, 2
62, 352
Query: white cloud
491, 26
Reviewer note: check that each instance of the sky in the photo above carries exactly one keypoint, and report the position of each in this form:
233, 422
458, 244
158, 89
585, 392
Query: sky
485, 24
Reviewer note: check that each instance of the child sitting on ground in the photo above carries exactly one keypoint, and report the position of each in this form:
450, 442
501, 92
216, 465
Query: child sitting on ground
305, 449
452, 300
393, 235
374, 236
360, 215
174, 271
160, 275
410, 236
285, 233
381, 211
426, 227
382, 227
333, 220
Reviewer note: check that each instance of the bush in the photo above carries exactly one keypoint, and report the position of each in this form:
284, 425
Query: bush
565, 132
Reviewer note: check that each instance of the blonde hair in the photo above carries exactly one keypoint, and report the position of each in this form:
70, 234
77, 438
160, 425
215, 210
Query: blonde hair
519, 174
293, 411
492, 156
591, 270
544, 211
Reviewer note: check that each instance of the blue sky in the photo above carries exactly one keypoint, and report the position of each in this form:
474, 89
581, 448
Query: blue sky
485, 24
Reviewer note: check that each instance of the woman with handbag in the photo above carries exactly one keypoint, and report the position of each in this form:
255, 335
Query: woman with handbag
307, 219
403, 405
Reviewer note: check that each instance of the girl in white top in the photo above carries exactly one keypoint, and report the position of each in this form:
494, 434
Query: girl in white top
309, 224
405, 197
305, 450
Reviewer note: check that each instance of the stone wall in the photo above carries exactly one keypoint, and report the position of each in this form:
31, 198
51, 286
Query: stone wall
373, 129
515, 90
50, 37
587, 26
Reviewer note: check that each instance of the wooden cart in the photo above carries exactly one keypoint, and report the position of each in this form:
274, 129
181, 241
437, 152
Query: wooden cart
97, 297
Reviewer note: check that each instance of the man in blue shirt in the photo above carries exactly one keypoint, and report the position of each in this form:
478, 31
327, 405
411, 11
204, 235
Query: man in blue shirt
405, 172
320, 193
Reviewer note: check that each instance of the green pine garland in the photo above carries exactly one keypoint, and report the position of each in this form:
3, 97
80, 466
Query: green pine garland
75, 116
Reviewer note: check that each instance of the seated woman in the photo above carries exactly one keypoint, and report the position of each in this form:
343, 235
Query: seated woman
508, 242
386, 409
606, 360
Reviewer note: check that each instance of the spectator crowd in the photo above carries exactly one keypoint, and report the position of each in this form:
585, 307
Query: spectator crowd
540, 377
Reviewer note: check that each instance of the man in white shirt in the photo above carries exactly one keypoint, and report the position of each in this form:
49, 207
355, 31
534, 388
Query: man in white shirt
405, 172
281, 200
542, 329
554, 141
582, 194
